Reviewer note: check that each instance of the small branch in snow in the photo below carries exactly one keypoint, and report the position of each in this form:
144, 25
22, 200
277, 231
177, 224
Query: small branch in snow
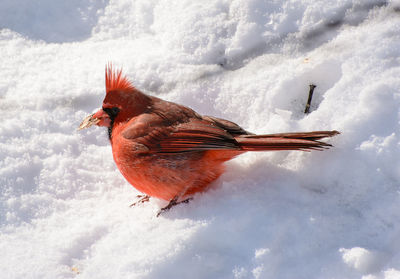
310, 94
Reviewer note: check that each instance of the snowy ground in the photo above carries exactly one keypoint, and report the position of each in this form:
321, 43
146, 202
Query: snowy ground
64, 207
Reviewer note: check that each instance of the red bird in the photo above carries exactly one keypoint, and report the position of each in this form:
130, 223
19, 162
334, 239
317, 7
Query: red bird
169, 151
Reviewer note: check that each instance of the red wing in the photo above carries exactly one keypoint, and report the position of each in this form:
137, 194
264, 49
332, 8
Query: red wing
196, 135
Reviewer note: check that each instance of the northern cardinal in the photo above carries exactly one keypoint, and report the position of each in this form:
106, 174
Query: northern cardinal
169, 151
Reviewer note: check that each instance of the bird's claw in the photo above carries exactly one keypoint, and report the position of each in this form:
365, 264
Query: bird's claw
171, 204
142, 199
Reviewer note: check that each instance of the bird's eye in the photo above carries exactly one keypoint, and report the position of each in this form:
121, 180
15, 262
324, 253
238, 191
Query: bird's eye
112, 112
115, 111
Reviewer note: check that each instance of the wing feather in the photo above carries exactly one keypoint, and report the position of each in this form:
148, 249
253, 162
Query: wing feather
195, 135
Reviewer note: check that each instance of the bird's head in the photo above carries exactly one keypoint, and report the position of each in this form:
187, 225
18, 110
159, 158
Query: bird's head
122, 102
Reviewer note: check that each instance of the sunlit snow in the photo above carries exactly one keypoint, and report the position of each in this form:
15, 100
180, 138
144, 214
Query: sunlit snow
64, 207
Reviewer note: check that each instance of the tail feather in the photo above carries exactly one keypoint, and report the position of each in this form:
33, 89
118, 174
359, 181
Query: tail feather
285, 141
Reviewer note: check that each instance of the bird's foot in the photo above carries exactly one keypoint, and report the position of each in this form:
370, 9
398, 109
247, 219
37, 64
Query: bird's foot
172, 203
142, 199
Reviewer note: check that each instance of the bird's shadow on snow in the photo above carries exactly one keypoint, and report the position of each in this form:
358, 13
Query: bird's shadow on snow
244, 188
243, 182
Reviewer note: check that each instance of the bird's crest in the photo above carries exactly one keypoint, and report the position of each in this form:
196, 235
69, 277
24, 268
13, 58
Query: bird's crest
115, 81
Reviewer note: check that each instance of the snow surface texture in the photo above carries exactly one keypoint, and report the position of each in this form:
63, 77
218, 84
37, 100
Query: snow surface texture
64, 207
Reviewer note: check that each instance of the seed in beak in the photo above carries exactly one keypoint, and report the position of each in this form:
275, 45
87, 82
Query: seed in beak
88, 121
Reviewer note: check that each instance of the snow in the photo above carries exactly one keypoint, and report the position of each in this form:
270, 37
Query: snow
64, 207
363, 260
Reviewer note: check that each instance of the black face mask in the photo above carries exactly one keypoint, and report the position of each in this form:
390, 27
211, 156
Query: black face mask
112, 113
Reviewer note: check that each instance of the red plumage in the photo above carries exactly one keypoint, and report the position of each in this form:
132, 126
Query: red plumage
169, 151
